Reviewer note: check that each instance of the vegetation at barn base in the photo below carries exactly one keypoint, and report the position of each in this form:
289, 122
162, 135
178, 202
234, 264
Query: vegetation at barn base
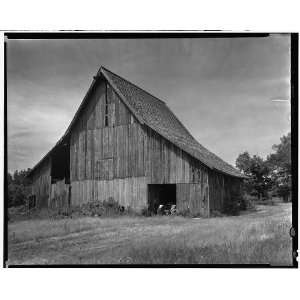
107, 208
233, 205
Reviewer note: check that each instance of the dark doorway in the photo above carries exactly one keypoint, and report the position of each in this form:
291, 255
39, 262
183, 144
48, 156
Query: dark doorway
60, 164
161, 194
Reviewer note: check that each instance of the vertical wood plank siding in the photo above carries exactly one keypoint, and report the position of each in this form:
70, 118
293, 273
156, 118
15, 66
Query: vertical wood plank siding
41, 184
59, 194
166, 163
128, 192
221, 188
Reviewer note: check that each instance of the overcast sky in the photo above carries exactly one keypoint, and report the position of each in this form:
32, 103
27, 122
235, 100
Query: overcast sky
221, 89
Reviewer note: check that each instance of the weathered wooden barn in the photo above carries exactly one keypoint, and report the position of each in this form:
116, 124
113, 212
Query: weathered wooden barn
125, 144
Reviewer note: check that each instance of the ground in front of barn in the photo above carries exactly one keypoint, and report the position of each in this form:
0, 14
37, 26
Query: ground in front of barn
255, 237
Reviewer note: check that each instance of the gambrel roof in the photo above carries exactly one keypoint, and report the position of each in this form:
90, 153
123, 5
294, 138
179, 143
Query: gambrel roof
155, 114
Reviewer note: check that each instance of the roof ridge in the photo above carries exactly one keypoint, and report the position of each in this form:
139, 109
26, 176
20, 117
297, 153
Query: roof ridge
105, 69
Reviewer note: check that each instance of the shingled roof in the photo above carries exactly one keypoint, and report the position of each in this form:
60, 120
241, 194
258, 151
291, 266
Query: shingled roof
157, 115
154, 113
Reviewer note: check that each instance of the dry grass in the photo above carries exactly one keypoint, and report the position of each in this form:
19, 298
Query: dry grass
267, 243
256, 237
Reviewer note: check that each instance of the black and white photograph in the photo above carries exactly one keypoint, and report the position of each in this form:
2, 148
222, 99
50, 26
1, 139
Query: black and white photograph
151, 149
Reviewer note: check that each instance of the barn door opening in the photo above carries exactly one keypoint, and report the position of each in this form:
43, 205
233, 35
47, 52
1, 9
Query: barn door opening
60, 194
161, 194
60, 164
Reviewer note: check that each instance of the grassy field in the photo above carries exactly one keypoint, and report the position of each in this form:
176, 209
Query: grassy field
260, 237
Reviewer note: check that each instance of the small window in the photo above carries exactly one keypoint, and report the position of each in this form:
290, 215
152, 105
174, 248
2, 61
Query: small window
106, 109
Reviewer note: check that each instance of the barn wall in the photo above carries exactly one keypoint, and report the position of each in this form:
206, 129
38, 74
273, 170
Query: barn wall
59, 196
221, 189
166, 163
217, 190
193, 198
128, 192
41, 184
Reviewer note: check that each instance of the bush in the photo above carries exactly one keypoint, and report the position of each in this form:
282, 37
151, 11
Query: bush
184, 213
146, 212
98, 208
266, 202
232, 205
216, 213
247, 202
17, 194
17, 188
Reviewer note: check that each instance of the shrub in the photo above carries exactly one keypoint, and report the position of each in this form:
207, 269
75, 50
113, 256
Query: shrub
17, 194
104, 208
146, 212
111, 207
232, 204
265, 202
17, 188
216, 213
247, 202
184, 213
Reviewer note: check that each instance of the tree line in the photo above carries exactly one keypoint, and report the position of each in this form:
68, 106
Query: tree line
271, 176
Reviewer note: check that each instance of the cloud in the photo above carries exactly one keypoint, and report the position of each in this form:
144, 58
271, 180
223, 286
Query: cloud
219, 88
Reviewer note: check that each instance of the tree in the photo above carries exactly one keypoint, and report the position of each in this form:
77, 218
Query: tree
282, 156
258, 172
18, 187
243, 163
280, 164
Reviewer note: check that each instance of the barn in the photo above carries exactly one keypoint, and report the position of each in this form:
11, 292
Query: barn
125, 144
